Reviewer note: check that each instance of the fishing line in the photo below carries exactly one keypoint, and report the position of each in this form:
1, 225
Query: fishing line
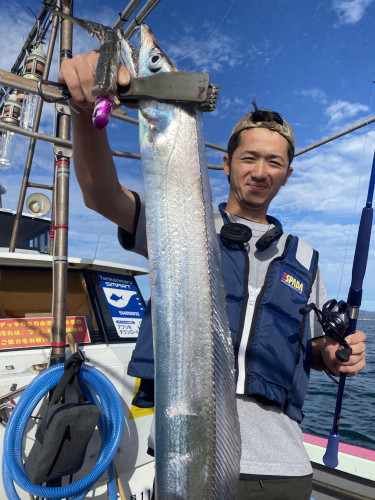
210, 34
355, 206
99, 236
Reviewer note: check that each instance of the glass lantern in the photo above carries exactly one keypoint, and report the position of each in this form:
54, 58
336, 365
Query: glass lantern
9, 114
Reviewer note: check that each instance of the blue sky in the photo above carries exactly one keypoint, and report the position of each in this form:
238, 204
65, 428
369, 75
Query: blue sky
311, 61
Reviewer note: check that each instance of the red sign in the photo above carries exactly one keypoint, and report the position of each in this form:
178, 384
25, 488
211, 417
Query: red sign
36, 332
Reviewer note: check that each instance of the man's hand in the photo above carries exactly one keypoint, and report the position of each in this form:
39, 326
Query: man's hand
328, 348
78, 74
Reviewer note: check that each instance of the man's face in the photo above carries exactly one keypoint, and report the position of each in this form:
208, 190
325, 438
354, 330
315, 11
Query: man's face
258, 169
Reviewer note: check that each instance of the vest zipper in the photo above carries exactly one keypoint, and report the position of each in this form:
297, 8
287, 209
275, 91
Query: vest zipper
256, 312
242, 315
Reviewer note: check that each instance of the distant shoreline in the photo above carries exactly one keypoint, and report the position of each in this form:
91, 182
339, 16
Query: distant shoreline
370, 315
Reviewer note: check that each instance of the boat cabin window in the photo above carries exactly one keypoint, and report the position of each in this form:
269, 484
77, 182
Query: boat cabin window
101, 307
25, 307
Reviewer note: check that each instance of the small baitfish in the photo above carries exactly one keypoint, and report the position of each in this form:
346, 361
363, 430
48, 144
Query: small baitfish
197, 430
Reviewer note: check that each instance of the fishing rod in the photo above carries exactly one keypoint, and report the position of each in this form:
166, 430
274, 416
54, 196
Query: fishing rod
330, 458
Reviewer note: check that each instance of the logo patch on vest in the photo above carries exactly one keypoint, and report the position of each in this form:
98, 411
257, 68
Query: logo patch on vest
292, 282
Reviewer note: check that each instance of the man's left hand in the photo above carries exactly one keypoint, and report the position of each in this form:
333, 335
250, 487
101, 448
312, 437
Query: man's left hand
357, 360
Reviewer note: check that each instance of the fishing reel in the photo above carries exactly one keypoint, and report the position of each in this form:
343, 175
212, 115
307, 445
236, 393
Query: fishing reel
335, 321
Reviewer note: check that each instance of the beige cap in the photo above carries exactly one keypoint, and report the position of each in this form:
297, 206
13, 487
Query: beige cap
285, 129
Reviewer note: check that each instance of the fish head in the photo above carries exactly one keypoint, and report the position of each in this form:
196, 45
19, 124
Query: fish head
152, 59
155, 116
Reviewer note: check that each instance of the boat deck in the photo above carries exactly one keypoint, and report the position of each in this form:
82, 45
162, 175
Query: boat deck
353, 479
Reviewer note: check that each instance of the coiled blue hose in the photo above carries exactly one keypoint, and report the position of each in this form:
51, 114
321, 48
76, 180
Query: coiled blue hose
111, 424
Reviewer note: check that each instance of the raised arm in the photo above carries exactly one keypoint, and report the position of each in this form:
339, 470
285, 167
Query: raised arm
93, 163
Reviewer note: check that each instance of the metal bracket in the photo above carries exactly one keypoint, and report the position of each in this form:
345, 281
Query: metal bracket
62, 151
180, 86
63, 109
175, 86
210, 102
59, 150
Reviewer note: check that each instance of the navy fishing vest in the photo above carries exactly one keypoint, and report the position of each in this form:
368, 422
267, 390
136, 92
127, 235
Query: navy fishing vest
278, 352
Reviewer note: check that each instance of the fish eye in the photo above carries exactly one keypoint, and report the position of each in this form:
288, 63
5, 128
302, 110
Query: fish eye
155, 61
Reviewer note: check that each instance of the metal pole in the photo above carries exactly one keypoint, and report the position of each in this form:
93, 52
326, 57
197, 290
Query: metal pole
126, 13
31, 150
142, 14
63, 143
336, 136
61, 202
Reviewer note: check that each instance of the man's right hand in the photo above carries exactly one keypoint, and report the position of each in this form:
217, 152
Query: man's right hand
78, 74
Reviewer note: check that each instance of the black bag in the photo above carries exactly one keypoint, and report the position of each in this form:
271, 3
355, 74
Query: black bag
64, 430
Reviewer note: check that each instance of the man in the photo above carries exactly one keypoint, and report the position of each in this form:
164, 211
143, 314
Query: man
272, 362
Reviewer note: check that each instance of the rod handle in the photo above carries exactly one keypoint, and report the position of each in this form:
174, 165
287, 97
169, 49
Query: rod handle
330, 458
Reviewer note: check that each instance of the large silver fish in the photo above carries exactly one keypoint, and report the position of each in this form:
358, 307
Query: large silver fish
197, 429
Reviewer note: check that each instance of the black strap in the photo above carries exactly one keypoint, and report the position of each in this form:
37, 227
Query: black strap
72, 367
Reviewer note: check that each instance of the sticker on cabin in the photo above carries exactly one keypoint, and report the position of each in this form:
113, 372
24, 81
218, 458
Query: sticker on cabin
18, 333
124, 303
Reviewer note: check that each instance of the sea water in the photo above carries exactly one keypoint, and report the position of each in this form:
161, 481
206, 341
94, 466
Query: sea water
358, 408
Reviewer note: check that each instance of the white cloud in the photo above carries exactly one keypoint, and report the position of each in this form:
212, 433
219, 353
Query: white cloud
229, 102
18, 22
206, 54
316, 95
341, 110
350, 11
336, 245
227, 106
265, 51
325, 181
194, 52
322, 203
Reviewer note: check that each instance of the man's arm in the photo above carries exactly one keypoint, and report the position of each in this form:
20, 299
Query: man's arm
93, 163
324, 349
